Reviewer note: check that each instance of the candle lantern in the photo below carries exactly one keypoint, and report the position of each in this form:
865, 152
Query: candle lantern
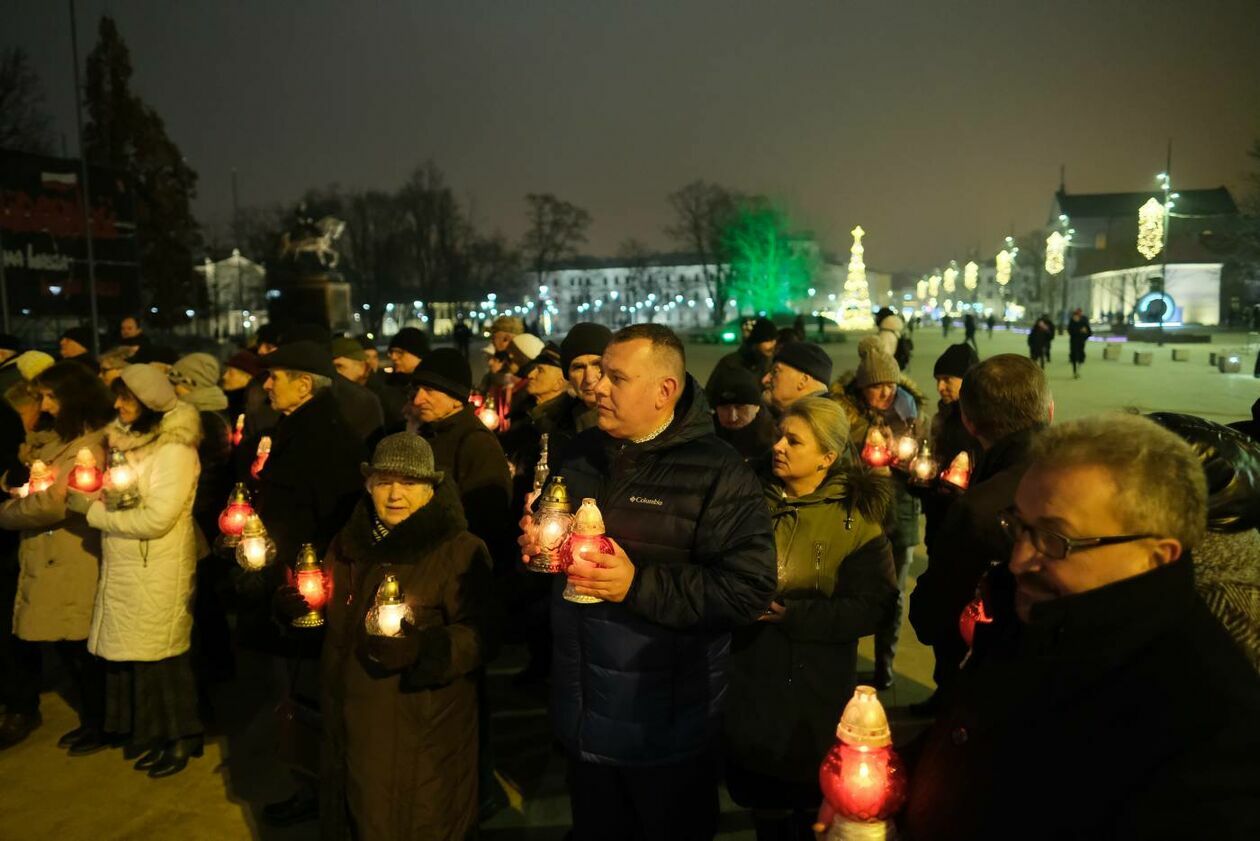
923, 467
42, 477
958, 474
972, 615
120, 483
905, 449
875, 451
552, 522
86, 477
862, 779
309, 578
255, 548
235, 514
586, 539
489, 413
260, 457
238, 432
388, 610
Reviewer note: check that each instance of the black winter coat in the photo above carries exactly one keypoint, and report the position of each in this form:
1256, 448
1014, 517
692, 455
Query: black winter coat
949, 438
752, 442
791, 679
360, 408
746, 357
470, 456
392, 398
1124, 713
641, 683
963, 548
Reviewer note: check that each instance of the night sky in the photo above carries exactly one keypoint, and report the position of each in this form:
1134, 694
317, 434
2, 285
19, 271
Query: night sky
935, 125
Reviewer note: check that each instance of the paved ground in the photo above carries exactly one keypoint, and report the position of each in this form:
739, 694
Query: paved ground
45, 794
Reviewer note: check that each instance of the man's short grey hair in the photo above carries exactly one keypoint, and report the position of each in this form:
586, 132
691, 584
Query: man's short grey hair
1161, 483
318, 382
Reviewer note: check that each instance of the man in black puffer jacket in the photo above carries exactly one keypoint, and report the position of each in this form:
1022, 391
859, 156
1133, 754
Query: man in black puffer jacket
638, 680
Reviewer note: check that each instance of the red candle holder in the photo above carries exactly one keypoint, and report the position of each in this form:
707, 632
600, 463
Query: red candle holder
85, 476
905, 449
972, 615
238, 431
958, 474
586, 539
862, 779
235, 515
313, 584
875, 452
488, 414
260, 457
42, 478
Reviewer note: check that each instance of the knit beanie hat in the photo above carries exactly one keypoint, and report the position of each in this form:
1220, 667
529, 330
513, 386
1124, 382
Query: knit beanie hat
150, 386
403, 454
549, 355
763, 330
508, 324
32, 363
198, 370
445, 370
738, 387
348, 348
584, 339
524, 348
869, 344
365, 342
82, 335
245, 360
412, 340
875, 368
808, 358
956, 361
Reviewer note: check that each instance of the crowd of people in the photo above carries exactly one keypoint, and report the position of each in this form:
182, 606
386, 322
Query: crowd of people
1106, 684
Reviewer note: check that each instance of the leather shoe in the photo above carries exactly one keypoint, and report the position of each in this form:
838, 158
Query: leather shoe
15, 727
132, 750
69, 738
175, 758
151, 758
90, 742
299, 808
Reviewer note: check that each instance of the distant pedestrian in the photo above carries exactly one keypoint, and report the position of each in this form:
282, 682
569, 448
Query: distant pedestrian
1078, 331
969, 330
463, 337
989, 321
945, 325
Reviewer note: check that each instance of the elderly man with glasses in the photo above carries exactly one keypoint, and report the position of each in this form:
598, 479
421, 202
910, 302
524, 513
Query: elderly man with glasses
1101, 699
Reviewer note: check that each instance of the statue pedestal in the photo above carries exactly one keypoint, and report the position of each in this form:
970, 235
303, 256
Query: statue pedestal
317, 300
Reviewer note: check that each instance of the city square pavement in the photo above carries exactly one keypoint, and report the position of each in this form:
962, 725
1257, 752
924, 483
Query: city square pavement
46, 794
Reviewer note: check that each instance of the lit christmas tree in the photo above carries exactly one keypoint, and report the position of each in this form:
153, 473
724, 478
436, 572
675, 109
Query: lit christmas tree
856, 305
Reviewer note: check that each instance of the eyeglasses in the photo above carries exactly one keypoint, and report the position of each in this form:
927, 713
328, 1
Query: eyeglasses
1053, 545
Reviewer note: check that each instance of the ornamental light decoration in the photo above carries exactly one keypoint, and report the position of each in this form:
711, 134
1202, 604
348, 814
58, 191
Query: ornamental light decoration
934, 285
1003, 265
922, 290
1150, 239
951, 279
856, 305
971, 274
1056, 249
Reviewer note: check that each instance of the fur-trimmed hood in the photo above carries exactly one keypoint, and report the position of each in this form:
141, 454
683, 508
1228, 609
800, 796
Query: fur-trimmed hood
855, 486
181, 425
412, 539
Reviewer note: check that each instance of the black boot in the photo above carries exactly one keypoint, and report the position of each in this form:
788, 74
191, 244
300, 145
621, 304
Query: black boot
15, 727
91, 742
175, 758
70, 738
134, 750
151, 758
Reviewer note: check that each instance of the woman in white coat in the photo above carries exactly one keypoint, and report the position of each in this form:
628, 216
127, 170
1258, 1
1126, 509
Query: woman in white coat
142, 620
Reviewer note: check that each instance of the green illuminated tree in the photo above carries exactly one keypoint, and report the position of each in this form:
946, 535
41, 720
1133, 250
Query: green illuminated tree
769, 265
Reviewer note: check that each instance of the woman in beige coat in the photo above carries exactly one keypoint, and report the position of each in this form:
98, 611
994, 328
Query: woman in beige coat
59, 556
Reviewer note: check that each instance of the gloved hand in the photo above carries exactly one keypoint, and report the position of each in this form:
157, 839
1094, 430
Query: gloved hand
395, 653
79, 503
288, 603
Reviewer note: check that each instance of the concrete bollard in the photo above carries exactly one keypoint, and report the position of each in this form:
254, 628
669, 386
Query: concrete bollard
1180, 355
1229, 363
1143, 357
1111, 353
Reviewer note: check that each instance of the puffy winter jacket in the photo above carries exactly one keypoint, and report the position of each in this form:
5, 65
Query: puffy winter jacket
149, 553
60, 555
642, 682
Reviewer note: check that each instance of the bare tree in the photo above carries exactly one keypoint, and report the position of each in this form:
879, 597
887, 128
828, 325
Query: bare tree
24, 124
641, 280
702, 211
556, 229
